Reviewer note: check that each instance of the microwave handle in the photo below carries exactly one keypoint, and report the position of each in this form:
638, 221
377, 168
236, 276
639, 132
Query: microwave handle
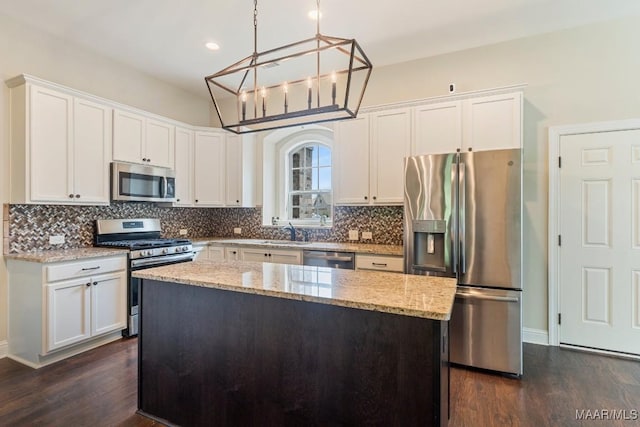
163, 187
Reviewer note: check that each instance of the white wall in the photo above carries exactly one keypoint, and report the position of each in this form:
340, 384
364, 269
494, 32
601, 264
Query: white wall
582, 75
24, 50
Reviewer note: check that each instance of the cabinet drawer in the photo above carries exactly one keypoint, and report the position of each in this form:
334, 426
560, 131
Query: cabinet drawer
382, 263
70, 270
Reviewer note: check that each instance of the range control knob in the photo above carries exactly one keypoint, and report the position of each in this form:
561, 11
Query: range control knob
165, 251
178, 249
185, 248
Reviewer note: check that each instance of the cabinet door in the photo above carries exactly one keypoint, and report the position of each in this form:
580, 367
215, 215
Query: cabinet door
108, 303
50, 157
351, 157
234, 170
216, 253
390, 144
209, 167
91, 152
158, 150
256, 255
281, 256
128, 137
232, 254
68, 313
437, 128
184, 167
493, 122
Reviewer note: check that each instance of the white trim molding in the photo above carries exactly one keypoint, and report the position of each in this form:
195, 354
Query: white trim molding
4, 349
555, 135
535, 336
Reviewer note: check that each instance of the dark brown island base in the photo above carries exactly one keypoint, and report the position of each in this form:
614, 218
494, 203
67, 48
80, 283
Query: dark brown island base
252, 344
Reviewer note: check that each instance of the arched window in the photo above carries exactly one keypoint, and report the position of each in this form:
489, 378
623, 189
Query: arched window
309, 183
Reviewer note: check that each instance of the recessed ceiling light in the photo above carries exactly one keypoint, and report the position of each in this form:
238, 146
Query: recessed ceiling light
313, 14
212, 46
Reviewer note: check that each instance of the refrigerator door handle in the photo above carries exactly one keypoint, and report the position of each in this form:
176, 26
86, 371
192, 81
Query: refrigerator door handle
461, 217
454, 219
487, 298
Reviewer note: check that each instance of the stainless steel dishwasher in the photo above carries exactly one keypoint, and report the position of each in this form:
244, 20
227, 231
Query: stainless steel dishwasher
329, 259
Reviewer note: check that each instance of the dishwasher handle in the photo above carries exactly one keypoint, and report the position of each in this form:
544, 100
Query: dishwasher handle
329, 257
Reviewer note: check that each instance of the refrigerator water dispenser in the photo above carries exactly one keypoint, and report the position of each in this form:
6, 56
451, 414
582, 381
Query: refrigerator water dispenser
429, 245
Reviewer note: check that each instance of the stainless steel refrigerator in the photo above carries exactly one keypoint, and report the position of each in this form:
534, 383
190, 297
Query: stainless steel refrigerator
462, 218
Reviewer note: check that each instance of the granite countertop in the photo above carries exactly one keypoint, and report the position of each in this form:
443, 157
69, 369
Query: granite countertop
65, 254
361, 248
416, 296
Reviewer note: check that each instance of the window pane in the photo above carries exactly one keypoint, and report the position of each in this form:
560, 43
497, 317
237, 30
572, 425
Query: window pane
324, 178
295, 213
324, 156
314, 179
308, 156
295, 159
295, 180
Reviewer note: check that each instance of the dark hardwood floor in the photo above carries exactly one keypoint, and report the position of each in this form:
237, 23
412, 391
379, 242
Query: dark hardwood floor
98, 388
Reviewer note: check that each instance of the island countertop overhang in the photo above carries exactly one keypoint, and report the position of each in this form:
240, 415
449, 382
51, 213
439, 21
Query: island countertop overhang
416, 296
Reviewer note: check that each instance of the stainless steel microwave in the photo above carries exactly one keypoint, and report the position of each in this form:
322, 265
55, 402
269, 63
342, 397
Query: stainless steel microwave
139, 183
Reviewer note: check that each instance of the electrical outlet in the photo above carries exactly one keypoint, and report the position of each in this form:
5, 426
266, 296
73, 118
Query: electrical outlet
56, 240
237, 230
183, 231
353, 234
367, 235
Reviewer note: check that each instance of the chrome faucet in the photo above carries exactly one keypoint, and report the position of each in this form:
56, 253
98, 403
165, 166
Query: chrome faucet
292, 229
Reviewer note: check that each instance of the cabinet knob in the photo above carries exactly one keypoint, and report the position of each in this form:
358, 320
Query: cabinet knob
366, 198
237, 201
375, 198
177, 200
196, 200
88, 283
95, 283
144, 159
266, 254
77, 196
148, 160
71, 196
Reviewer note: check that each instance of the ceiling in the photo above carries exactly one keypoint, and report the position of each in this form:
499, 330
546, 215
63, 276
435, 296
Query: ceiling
166, 38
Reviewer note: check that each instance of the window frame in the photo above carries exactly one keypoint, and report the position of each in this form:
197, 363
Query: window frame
289, 193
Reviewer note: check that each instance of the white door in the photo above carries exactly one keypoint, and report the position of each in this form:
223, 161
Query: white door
184, 167
108, 303
68, 317
437, 128
234, 170
285, 257
128, 137
159, 144
599, 208
351, 158
493, 122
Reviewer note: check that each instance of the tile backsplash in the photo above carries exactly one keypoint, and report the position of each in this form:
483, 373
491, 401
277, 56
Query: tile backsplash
28, 227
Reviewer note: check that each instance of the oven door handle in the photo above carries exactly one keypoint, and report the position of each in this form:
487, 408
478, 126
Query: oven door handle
160, 260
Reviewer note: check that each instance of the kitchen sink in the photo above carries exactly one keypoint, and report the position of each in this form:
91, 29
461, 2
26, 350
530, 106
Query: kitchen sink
283, 242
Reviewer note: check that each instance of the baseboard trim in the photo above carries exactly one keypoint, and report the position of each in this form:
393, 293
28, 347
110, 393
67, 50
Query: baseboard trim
535, 336
4, 349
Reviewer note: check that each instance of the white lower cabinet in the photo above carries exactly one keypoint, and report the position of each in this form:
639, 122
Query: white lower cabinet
232, 254
379, 263
216, 253
276, 256
60, 309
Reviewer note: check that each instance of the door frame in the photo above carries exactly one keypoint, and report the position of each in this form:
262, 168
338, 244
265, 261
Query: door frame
555, 134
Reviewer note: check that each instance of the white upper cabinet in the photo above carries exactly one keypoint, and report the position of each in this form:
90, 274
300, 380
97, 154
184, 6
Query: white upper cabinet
209, 168
390, 144
437, 128
234, 170
184, 141
143, 140
351, 159
60, 147
481, 123
369, 153
493, 122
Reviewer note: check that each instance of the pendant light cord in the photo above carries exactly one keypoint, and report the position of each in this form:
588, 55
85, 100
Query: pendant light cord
255, 27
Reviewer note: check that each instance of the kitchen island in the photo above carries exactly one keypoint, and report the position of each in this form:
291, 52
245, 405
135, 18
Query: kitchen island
239, 343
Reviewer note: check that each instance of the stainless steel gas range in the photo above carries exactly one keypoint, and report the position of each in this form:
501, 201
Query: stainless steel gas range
146, 249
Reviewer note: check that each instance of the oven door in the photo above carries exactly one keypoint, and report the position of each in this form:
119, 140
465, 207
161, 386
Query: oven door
142, 183
133, 291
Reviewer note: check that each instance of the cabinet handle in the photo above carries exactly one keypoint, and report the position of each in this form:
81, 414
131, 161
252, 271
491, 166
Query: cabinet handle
90, 268
379, 264
71, 196
88, 283
95, 283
